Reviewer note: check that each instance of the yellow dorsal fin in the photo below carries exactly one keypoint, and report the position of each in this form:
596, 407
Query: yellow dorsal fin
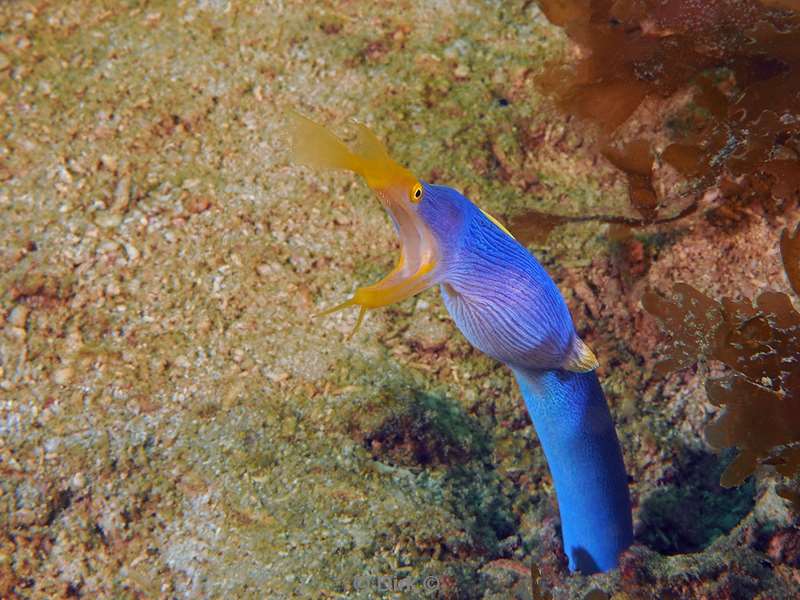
498, 223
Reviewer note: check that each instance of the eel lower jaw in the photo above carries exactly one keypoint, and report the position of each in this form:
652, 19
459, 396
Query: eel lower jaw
416, 268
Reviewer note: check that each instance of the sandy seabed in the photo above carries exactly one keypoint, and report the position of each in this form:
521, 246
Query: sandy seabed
173, 423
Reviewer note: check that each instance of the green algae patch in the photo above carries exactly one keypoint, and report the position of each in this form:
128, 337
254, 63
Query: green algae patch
291, 480
688, 516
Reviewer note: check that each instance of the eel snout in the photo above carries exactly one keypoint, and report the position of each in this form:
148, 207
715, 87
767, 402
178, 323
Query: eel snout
399, 191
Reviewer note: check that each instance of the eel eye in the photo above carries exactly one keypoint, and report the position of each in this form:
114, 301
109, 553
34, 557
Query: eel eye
415, 195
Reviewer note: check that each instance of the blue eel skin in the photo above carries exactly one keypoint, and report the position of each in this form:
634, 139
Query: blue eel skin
508, 307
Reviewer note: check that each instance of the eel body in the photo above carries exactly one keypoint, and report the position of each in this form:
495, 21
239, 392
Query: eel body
508, 307
572, 421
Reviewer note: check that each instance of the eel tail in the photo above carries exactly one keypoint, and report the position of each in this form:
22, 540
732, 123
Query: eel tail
574, 426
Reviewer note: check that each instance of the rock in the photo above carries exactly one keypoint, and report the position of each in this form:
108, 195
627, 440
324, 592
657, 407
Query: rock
122, 193
198, 204
24, 518
18, 316
108, 219
109, 162
78, 481
63, 376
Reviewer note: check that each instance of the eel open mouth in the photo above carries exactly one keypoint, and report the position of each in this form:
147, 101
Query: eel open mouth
398, 191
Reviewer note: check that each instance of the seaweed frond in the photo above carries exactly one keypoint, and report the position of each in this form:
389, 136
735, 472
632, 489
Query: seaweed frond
760, 342
720, 80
